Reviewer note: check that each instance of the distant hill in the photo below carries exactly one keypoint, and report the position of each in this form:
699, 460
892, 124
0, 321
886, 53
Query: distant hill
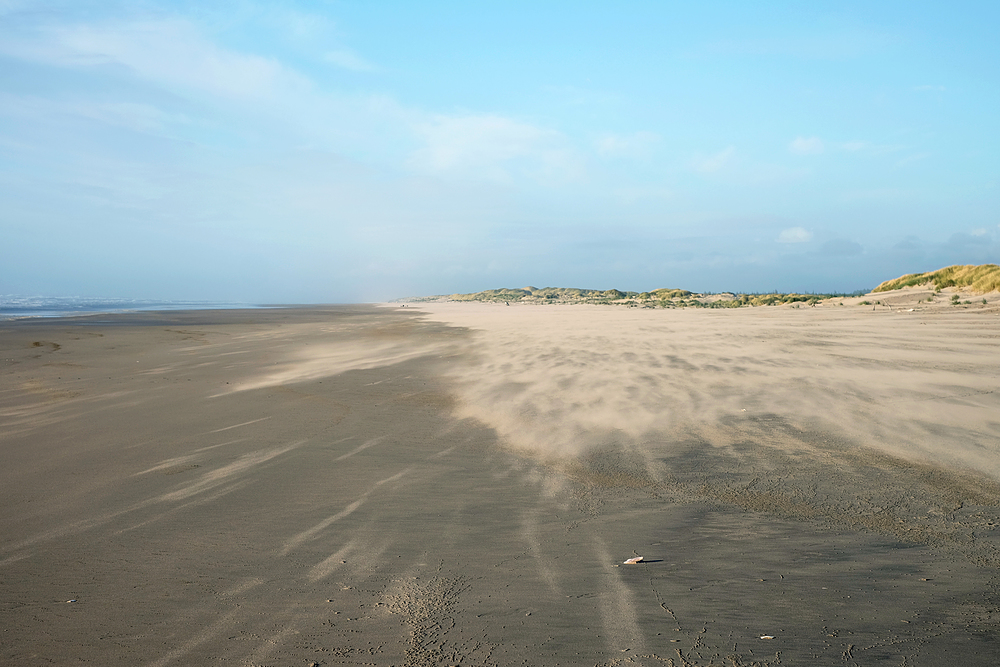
658, 298
978, 279
565, 294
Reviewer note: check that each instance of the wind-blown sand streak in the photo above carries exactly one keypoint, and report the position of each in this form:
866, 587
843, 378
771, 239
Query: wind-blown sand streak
560, 380
460, 484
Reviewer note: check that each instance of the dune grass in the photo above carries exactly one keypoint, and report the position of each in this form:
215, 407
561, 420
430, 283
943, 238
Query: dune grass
978, 279
566, 294
663, 297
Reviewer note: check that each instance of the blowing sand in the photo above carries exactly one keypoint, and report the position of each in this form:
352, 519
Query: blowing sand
460, 484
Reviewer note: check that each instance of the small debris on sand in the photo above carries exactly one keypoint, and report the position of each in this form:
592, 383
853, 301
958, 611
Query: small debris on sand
633, 561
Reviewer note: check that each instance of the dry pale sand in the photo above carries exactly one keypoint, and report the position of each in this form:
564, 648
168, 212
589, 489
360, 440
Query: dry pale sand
459, 484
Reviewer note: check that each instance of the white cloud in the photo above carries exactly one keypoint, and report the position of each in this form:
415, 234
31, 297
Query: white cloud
348, 59
176, 55
247, 96
639, 144
634, 194
134, 116
910, 159
168, 52
854, 146
715, 162
286, 106
981, 231
794, 235
806, 146
296, 25
495, 147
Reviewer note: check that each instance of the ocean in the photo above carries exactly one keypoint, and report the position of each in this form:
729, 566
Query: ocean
17, 307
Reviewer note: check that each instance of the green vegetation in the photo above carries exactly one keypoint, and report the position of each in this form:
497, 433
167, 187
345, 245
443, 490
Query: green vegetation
981, 279
970, 278
548, 294
664, 294
658, 298
493, 295
777, 299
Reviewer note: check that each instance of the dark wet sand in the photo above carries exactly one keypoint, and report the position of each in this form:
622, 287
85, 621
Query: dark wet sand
154, 516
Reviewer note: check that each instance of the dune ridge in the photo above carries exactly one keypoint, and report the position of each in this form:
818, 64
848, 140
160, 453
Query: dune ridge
970, 278
980, 279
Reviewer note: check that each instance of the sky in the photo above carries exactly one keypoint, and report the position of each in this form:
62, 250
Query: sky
326, 152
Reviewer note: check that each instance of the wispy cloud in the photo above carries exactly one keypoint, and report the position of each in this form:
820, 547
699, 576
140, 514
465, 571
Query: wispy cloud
708, 164
348, 59
494, 147
134, 116
806, 146
633, 194
910, 159
636, 145
260, 126
176, 55
794, 235
170, 52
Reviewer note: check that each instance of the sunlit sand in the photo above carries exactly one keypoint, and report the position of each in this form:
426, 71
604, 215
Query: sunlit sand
474, 484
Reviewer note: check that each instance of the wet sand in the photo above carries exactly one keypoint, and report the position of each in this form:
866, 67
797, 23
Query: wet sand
459, 484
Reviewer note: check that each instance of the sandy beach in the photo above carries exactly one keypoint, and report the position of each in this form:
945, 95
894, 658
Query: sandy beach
459, 484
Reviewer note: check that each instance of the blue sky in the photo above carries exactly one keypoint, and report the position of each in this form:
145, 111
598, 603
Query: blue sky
354, 151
